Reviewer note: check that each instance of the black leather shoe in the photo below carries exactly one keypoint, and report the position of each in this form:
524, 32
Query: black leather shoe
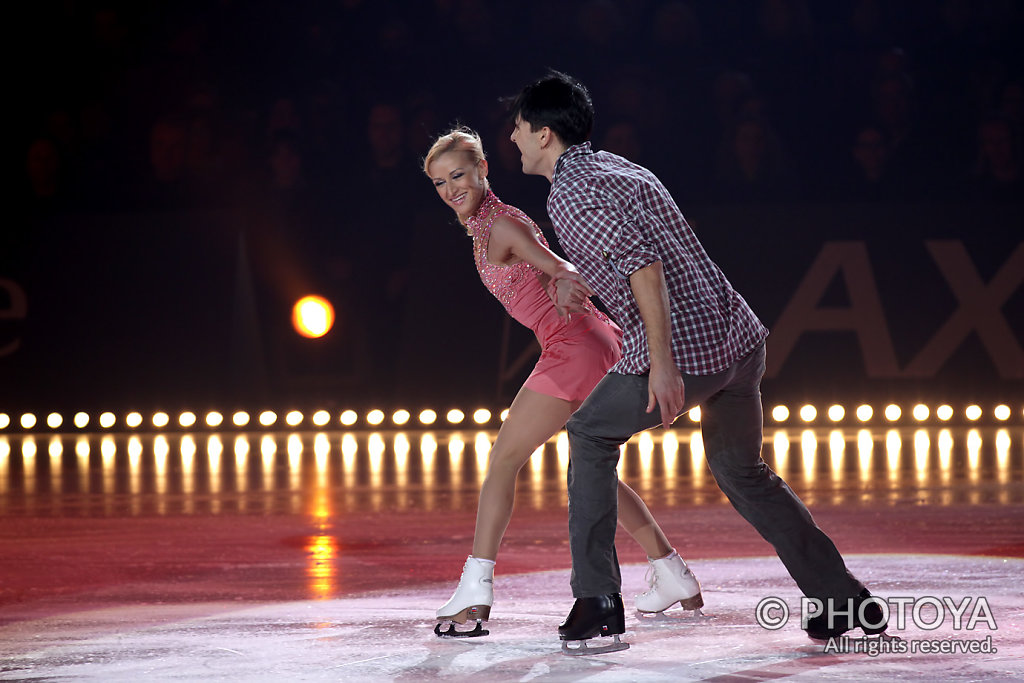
598, 616
873, 623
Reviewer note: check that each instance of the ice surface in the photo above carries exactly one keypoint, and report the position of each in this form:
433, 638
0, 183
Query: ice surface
387, 635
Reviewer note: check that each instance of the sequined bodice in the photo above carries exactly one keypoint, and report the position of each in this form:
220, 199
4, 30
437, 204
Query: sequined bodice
518, 287
504, 282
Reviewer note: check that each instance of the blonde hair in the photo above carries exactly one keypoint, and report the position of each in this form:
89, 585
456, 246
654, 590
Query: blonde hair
460, 139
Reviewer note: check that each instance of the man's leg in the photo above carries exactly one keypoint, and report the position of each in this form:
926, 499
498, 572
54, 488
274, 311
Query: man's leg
731, 425
612, 413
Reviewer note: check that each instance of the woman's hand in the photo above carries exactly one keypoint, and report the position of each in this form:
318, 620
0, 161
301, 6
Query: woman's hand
571, 294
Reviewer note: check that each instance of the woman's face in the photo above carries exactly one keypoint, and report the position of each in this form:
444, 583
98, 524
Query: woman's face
460, 181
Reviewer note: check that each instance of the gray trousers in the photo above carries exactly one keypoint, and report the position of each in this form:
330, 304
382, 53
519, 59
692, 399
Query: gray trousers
731, 426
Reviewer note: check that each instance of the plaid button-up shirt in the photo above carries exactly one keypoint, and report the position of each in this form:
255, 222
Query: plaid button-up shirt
614, 217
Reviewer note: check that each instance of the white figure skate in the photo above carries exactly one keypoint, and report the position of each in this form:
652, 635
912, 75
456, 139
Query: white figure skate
472, 599
670, 581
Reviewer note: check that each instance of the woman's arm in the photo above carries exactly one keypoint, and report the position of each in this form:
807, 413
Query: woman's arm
513, 241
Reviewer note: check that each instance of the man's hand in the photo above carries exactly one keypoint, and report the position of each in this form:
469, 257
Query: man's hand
665, 389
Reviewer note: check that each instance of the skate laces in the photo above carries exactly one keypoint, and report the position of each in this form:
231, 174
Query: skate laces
651, 577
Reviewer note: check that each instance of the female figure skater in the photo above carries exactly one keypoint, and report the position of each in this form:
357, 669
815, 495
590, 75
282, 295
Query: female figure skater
577, 348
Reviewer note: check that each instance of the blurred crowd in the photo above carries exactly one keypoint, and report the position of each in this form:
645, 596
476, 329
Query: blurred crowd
304, 123
168, 105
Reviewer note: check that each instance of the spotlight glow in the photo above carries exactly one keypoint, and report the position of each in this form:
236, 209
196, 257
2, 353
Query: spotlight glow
973, 412
312, 316
836, 413
267, 418
808, 413
780, 413
780, 442
375, 417
5, 420
187, 419
920, 412
81, 420
694, 414
400, 417
214, 419
133, 419
427, 417
321, 418
161, 419
864, 412
892, 412
456, 416
670, 444
481, 416
349, 417
1002, 413
28, 420
504, 414
293, 418
54, 420
107, 420
240, 418
944, 412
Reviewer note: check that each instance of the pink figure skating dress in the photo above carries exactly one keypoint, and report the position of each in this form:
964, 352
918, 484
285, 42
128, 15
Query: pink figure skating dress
575, 353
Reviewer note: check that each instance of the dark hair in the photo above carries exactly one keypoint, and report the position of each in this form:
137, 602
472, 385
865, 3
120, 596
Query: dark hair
559, 102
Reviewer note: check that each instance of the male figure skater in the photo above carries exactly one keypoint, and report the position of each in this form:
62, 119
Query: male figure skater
689, 339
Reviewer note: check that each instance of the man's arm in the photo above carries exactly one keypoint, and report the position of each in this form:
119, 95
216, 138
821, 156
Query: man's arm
665, 384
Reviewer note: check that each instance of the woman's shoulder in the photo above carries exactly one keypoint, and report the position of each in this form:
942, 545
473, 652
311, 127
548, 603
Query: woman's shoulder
510, 214
512, 219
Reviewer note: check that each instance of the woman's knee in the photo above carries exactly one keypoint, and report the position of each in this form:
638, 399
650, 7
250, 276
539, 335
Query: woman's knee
507, 460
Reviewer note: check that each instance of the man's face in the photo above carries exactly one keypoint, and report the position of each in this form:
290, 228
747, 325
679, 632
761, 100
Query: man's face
530, 146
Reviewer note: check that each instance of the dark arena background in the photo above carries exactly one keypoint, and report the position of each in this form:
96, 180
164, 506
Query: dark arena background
191, 488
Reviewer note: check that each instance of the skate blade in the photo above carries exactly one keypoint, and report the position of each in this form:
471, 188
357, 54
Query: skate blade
584, 649
477, 612
451, 632
694, 616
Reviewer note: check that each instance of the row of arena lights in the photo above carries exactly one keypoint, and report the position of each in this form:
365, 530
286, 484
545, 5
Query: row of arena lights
241, 418
781, 414
891, 412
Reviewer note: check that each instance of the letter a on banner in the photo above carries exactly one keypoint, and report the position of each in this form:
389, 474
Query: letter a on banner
863, 317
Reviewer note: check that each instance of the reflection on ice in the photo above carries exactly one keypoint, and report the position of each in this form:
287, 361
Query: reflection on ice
150, 475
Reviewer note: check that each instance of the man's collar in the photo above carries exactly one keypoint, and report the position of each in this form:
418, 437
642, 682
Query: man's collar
571, 153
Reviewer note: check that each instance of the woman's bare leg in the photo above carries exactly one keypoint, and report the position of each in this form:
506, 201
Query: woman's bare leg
533, 418
638, 521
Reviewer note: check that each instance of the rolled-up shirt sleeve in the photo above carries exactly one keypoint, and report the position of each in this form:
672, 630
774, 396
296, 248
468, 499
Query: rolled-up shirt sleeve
623, 234
632, 248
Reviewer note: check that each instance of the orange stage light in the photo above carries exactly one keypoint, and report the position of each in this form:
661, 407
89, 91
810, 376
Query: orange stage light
312, 316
